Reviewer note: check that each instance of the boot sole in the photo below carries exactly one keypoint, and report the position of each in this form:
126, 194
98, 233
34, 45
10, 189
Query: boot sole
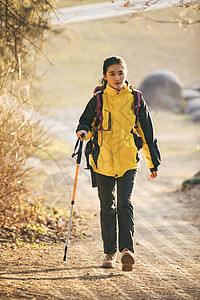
127, 262
108, 265
127, 268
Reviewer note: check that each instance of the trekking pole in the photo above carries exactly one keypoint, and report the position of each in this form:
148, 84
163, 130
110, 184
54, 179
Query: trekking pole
78, 161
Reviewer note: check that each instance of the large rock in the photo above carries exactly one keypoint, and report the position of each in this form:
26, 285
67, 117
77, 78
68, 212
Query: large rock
196, 115
162, 89
192, 106
196, 86
190, 94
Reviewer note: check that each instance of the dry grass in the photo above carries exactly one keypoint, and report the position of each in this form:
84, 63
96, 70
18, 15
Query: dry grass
20, 136
25, 216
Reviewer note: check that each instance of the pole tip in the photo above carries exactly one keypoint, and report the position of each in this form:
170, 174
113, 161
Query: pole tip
64, 258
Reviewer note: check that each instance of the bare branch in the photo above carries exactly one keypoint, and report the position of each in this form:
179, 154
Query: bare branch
192, 6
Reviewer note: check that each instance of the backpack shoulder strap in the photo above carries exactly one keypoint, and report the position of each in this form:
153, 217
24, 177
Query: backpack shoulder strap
99, 103
97, 91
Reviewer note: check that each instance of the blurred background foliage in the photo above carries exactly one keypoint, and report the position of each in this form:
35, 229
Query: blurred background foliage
148, 41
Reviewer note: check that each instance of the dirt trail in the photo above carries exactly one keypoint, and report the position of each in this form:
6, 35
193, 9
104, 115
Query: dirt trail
166, 242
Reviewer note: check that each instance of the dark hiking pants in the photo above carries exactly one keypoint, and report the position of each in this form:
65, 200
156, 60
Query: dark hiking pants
110, 210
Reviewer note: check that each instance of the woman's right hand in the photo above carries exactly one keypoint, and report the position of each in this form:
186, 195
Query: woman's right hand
80, 134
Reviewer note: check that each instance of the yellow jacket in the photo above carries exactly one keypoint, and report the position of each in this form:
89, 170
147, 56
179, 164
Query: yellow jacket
116, 151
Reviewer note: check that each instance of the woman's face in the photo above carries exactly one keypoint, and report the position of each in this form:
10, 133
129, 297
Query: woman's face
116, 76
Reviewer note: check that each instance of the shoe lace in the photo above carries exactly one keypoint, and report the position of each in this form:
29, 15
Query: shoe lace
110, 256
125, 249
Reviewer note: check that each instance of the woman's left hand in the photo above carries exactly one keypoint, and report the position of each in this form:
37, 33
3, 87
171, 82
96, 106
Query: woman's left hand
154, 174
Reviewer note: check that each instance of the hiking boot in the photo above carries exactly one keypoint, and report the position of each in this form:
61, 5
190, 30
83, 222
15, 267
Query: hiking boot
110, 260
127, 260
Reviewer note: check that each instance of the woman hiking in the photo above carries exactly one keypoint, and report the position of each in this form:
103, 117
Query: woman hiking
124, 120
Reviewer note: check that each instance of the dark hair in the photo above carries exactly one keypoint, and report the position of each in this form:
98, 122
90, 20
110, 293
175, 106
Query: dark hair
109, 61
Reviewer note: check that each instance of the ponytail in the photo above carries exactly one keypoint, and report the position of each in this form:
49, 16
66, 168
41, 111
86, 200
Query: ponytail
102, 82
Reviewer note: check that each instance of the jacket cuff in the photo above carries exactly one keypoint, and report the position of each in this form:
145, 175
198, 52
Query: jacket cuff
82, 127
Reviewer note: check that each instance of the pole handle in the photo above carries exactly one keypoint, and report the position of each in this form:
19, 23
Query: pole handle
78, 161
79, 152
79, 155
